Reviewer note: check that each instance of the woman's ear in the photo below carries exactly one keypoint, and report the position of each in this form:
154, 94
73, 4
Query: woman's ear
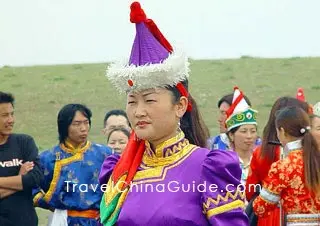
282, 131
181, 106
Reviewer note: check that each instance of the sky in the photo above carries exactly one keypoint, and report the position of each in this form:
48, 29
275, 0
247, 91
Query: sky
42, 32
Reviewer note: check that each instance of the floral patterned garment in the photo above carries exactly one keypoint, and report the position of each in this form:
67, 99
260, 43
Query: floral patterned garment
285, 182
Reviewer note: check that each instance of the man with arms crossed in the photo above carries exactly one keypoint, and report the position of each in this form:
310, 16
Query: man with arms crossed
19, 170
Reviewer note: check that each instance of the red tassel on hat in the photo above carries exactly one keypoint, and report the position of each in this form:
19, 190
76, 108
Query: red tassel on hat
137, 14
300, 95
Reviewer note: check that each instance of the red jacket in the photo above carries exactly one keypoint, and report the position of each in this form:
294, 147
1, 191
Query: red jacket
259, 168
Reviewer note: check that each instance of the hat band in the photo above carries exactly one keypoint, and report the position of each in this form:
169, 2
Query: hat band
183, 91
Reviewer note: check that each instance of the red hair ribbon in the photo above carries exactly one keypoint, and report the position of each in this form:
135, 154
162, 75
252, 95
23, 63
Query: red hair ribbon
183, 91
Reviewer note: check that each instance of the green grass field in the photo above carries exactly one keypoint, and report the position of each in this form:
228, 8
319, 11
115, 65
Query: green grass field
41, 91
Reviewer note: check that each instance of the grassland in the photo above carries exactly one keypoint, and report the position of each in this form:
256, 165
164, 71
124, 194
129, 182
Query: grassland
41, 91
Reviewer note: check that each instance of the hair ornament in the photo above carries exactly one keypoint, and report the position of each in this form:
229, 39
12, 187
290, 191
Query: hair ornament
303, 130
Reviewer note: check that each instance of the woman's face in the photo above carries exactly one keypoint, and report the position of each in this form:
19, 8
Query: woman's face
315, 129
244, 138
152, 114
118, 141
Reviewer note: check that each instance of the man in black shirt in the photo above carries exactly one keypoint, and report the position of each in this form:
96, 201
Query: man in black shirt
19, 170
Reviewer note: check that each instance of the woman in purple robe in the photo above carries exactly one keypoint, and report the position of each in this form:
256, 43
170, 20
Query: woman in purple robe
164, 176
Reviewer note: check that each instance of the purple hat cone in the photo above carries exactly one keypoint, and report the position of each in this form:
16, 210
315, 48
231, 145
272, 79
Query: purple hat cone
146, 49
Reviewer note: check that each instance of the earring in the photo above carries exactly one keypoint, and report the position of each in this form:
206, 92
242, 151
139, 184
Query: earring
179, 128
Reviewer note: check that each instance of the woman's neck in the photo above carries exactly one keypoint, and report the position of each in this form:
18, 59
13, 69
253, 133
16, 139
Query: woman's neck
245, 155
155, 143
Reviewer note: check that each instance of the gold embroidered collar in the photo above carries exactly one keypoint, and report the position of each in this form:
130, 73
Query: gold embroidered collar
69, 148
166, 152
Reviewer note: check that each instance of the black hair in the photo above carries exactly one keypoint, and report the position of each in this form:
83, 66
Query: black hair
192, 123
65, 117
116, 112
6, 98
233, 130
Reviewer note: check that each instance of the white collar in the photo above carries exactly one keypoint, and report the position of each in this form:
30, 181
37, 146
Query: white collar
294, 145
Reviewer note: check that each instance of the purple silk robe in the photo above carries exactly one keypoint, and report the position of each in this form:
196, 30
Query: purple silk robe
182, 184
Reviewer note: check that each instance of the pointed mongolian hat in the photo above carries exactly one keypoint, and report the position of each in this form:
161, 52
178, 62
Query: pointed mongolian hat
240, 112
153, 62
